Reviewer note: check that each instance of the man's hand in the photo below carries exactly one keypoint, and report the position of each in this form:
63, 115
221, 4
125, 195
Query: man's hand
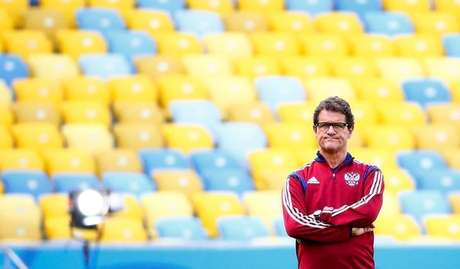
360, 231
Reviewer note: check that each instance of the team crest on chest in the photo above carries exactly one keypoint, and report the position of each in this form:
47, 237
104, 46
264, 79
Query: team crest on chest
352, 179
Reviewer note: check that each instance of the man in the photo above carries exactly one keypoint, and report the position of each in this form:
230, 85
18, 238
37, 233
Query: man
329, 205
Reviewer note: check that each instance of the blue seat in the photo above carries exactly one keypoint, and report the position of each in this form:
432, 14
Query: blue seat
279, 227
426, 91
75, 182
387, 23
12, 67
198, 22
99, 19
34, 183
104, 66
444, 180
204, 113
451, 45
421, 203
167, 5
227, 179
239, 138
131, 43
274, 90
358, 6
213, 159
421, 161
128, 182
241, 228
312, 7
184, 228
153, 159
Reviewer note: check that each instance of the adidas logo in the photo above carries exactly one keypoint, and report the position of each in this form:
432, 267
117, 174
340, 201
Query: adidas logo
312, 180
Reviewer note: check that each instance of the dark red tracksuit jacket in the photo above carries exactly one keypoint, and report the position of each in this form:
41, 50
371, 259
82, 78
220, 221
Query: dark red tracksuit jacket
321, 204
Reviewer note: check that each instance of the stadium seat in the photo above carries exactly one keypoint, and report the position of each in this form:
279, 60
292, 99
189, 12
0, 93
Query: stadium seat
135, 88
449, 6
214, 159
104, 66
84, 88
454, 199
256, 66
187, 137
34, 183
26, 42
163, 159
446, 226
443, 68
69, 161
178, 44
401, 227
38, 90
123, 230
130, 208
151, 21
12, 67
291, 21
420, 203
254, 112
122, 6
136, 136
418, 45
56, 218
265, 205
138, 112
402, 114
127, 182
371, 46
6, 97
186, 181
180, 87
276, 90
354, 68
437, 137
451, 157
232, 44
118, 160
131, 44
78, 42
390, 138
198, 22
388, 23
365, 116
89, 137
219, 6
321, 88
426, 91
436, 23
168, 5
397, 181
37, 136
359, 7
451, 45
275, 44
21, 159
278, 226
324, 45
85, 112
384, 159
290, 135
53, 66
6, 140
245, 21
46, 20
444, 114
311, 7
241, 228
30, 111
443, 180
377, 90
205, 113
99, 19
209, 206
226, 179
67, 7
339, 23
305, 67
6, 115
399, 69
23, 218
6, 22
299, 112
406, 6
71, 182
421, 161
261, 5
391, 206
204, 66
180, 228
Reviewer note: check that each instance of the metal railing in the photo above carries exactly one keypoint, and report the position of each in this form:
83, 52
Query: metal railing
12, 259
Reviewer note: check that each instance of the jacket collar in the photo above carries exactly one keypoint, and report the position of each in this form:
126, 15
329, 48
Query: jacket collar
347, 161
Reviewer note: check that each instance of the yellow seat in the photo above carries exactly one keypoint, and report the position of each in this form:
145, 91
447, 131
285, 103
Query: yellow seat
372, 46
69, 161
78, 42
390, 205
435, 23
443, 68
6, 115
338, 23
27, 42
301, 112
377, 90
382, 158
407, 6
22, 215
131, 208
452, 157
220, 6
401, 114
324, 45
46, 20
20, 159
38, 90
37, 136
135, 136
265, 205
210, 206
122, 6
57, 228
448, 6
30, 111
355, 68
85, 112
180, 87
227, 91
5, 96
68, 7
164, 204
6, 22
256, 112
246, 21
454, 199
15, 10
138, 112
6, 140
178, 44
446, 226
275, 44
53, 66
419, 45
454, 87
187, 138
256, 66
398, 180
204, 66
365, 114
185, 181
290, 135
398, 69
151, 21
232, 44
94, 138
291, 21
56, 217
390, 138
264, 6
118, 160
401, 227
159, 65
122, 230
437, 137
444, 114
133, 88
321, 88
87, 89
305, 67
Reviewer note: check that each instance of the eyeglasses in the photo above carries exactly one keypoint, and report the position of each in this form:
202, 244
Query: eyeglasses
337, 126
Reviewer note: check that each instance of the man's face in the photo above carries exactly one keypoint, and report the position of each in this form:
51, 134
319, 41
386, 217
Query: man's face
332, 132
